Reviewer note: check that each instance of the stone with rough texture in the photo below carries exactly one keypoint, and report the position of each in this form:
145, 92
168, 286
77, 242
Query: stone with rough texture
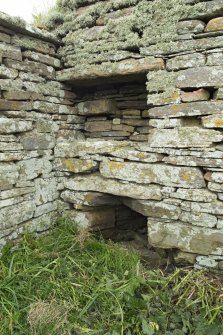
97, 183
8, 126
101, 217
153, 173
75, 165
185, 237
153, 209
185, 137
215, 24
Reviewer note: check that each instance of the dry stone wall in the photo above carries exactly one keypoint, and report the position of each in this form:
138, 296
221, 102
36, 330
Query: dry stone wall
163, 160
140, 139
33, 107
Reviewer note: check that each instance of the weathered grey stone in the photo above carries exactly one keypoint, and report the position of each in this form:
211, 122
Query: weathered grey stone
185, 109
199, 219
14, 105
98, 126
214, 207
164, 98
190, 26
46, 126
52, 108
14, 215
10, 51
39, 57
32, 168
206, 262
215, 57
122, 68
37, 141
197, 95
45, 190
213, 121
42, 223
183, 137
97, 183
215, 187
153, 173
185, 61
16, 192
34, 44
165, 123
8, 126
194, 195
155, 209
96, 107
9, 174
209, 76
45, 208
80, 199
9, 84
6, 73
193, 161
32, 67
216, 177
101, 218
75, 165
185, 237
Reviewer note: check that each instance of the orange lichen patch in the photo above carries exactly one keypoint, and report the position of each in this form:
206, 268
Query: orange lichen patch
215, 24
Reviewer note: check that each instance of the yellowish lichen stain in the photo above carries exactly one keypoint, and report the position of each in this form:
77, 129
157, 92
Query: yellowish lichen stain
114, 166
77, 165
187, 176
218, 123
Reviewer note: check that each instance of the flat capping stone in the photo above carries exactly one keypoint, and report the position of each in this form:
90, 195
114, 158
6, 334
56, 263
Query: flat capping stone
6, 21
92, 82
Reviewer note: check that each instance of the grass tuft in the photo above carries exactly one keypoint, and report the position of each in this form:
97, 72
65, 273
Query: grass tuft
69, 283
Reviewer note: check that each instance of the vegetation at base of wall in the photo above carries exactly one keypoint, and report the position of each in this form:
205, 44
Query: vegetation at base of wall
69, 283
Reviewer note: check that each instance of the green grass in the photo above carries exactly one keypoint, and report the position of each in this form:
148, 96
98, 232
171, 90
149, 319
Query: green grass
67, 283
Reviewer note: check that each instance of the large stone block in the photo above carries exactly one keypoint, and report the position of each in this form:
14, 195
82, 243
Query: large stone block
188, 238
8, 126
153, 173
80, 199
185, 109
101, 218
32, 168
96, 107
209, 76
194, 195
9, 174
75, 165
97, 183
185, 137
45, 190
14, 215
37, 141
154, 209
120, 149
6, 73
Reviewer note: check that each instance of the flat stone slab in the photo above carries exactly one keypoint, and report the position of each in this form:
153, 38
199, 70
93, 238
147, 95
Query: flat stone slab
163, 174
97, 183
183, 236
123, 68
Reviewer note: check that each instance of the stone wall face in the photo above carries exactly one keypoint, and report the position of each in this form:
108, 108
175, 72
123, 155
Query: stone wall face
33, 107
143, 133
163, 160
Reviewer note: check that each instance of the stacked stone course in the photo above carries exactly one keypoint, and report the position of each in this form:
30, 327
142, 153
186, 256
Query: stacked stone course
33, 109
141, 137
